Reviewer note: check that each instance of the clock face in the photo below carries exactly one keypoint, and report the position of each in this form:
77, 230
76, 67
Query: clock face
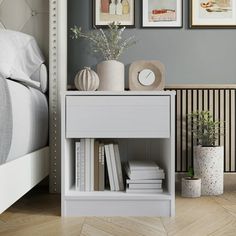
146, 77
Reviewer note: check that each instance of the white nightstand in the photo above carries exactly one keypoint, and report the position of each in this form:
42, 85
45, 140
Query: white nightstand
143, 123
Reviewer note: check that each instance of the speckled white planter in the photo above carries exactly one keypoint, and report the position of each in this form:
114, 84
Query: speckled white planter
112, 76
209, 166
191, 187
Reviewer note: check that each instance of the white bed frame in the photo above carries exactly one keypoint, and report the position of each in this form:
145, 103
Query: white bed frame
19, 176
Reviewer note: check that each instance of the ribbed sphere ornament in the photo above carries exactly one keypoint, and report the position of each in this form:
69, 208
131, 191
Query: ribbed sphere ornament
87, 80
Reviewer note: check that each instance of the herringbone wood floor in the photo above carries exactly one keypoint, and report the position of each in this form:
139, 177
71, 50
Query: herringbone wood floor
38, 214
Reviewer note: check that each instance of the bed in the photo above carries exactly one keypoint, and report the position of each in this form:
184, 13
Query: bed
24, 149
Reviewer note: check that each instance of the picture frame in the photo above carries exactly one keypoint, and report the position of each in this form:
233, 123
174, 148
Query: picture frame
162, 13
207, 14
119, 11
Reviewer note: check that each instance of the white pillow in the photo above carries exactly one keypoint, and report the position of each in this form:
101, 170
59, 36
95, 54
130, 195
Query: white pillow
41, 75
20, 56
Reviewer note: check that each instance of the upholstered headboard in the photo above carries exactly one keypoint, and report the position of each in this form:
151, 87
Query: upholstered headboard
28, 16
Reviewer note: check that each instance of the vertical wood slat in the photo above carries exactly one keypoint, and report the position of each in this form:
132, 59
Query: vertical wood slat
222, 103
232, 123
178, 131
183, 136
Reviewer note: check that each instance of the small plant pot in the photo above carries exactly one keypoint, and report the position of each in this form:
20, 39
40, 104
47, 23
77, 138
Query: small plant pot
191, 187
112, 75
209, 166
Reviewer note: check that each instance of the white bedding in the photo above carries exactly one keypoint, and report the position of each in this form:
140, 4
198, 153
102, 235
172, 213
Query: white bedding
30, 120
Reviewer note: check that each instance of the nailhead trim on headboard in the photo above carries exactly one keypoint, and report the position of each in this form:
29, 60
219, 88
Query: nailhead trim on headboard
54, 183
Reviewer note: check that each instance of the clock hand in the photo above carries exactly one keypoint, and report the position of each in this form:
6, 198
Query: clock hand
148, 75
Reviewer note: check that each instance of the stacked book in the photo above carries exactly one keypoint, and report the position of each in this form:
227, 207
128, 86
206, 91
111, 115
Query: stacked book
144, 177
90, 159
89, 165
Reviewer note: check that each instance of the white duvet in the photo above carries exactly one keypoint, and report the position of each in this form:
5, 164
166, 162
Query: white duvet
30, 120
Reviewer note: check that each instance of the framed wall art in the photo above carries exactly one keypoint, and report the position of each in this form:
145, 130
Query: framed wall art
119, 11
162, 13
212, 14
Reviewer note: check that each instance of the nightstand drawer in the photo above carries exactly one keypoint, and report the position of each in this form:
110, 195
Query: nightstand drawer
117, 116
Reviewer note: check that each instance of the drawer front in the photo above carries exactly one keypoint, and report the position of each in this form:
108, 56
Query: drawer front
118, 116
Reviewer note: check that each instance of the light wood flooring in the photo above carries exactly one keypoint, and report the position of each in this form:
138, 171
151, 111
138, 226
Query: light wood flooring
38, 213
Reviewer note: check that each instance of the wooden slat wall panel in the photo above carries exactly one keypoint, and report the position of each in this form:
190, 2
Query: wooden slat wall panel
221, 101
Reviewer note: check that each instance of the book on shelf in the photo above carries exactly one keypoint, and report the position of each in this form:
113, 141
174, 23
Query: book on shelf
101, 167
109, 168
96, 166
144, 186
144, 174
144, 190
143, 165
82, 165
144, 181
87, 165
113, 166
77, 165
90, 156
119, 167
92, 164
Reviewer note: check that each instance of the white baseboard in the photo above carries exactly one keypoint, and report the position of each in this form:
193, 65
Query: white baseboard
229, 181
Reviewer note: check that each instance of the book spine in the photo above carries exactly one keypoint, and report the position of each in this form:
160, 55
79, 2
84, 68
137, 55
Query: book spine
144, 181
92, 164
114, 167
138, 175
144, 191
82, 164
96, 166
103, 169
109, 168
100, 169
76, 166
144, 186
119, 167
87, 165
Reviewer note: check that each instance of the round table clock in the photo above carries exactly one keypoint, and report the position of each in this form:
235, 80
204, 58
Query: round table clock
146, 75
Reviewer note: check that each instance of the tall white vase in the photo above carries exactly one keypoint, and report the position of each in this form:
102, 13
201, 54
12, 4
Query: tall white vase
112, 75
209, 166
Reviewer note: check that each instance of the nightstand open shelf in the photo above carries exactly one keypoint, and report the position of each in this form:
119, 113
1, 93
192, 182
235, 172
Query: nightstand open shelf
142, 123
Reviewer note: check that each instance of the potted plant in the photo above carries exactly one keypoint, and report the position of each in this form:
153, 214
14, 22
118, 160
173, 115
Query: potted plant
208, 157
110, 45
191, 185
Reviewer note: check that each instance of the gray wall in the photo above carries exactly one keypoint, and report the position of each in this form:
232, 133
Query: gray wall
190, 56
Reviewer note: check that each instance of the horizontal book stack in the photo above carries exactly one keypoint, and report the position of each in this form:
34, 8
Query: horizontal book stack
144, 177
90, 159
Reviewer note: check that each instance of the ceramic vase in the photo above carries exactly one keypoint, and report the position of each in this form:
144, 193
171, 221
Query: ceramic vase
191, 187
87, 80
112, 75
209, 166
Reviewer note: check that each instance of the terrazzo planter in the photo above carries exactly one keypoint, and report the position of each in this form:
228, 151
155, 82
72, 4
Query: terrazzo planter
209, 166
112, 76
191, 187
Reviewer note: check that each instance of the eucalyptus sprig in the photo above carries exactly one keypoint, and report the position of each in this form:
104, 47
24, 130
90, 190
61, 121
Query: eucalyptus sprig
107, 43
205, 129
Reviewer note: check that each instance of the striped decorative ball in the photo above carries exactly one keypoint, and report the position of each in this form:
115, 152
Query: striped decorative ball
87, 80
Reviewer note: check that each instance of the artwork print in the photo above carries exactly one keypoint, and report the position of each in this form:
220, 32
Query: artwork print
213, 13
119, 11
162, 13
